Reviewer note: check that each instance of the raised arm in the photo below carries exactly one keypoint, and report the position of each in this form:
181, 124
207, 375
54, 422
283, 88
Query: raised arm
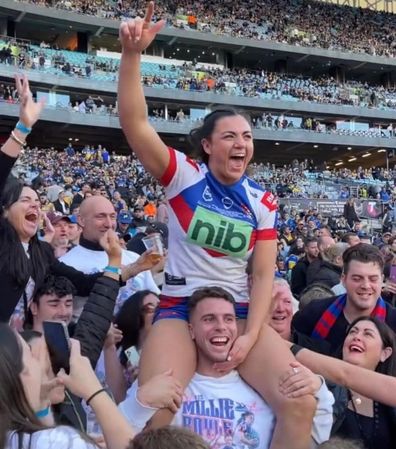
379, 387
29, 113
135, 36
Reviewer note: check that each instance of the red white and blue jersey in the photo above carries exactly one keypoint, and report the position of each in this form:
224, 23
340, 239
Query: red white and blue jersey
212, 228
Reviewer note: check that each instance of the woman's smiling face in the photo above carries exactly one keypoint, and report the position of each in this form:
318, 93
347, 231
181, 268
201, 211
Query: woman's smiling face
24, 214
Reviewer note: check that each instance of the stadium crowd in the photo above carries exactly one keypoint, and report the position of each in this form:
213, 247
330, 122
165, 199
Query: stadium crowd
191, 298
304, 23
198, 78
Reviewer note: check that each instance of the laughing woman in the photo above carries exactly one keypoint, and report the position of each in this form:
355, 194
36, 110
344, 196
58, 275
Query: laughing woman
24, 259
366, 402
218, 218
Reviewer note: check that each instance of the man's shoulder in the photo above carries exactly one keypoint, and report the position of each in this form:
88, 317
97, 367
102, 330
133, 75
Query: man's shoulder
71, 254
304, 320
391, 316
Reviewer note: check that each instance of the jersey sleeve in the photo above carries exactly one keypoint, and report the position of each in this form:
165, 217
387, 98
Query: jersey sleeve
266, 229
180, 173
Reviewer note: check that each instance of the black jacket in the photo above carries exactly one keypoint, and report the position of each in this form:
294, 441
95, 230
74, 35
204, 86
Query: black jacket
299, 276
58, 207
341, 398
304, 322
11, 291
324, 272
91, 330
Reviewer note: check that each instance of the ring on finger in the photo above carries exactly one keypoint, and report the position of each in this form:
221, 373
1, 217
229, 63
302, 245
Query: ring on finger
295, 370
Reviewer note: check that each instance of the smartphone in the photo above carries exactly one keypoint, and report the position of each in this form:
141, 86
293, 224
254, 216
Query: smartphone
132, 355
58, 342
392, 276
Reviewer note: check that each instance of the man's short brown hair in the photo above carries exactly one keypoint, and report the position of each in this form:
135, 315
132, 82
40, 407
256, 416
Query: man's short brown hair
365, 253
208, 292
169, 437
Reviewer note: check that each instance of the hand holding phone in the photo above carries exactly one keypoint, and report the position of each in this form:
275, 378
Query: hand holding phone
132, 355
392, 276
58, 342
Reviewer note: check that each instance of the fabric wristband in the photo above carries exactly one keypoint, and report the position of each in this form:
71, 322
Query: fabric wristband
43, 413
21, 127
102, 390
295, 349
114, 270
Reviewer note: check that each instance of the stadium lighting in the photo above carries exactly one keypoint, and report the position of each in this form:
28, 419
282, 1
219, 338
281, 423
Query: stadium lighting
381, 151
349, 148
366, 155
316, 146
338, 163
277, 143
352, 159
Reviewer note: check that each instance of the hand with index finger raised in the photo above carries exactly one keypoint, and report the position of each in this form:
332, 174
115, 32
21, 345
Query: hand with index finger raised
137, 34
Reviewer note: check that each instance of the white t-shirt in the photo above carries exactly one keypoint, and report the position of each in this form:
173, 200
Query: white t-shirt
61, 437
91, 261
226, 411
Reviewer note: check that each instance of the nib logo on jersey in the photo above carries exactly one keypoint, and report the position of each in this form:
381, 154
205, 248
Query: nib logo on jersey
226, 235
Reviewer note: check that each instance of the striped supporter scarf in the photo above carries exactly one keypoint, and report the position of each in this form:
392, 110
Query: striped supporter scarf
331, 314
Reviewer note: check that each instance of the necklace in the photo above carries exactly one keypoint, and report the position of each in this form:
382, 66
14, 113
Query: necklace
369, 437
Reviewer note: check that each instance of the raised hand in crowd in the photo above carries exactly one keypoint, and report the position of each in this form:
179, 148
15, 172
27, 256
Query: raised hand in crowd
83, 382
29, 111
137, 34
49, 231
113, 337
110, 243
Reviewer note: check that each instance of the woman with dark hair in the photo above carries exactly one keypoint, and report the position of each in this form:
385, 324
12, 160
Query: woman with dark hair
25, 260
135, 318
366, 403
133, 321
218, 218
26, 418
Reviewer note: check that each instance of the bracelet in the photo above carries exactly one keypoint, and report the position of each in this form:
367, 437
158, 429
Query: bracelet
17, 140
102, 390
43, 413
295, 349
23, 128
114, 270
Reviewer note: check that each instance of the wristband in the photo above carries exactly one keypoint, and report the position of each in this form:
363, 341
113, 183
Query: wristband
295, 349
43, 413
102, 390
114, 270
17, 140
21, 127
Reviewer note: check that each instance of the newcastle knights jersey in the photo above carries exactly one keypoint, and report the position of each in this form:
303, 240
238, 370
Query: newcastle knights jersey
212, 228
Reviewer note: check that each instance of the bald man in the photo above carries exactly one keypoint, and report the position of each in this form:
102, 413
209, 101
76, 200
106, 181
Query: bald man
97, 215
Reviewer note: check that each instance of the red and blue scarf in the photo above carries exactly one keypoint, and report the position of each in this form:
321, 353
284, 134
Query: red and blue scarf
331, 314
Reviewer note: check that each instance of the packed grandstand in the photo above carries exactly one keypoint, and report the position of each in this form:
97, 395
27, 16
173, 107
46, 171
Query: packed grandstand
132, 202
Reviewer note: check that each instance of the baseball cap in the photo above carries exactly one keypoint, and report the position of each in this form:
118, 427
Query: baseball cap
160, 228
136, 208
124, 218
56, 217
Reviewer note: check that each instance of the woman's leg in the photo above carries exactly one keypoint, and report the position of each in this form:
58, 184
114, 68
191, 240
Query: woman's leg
262, 368
168, 346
